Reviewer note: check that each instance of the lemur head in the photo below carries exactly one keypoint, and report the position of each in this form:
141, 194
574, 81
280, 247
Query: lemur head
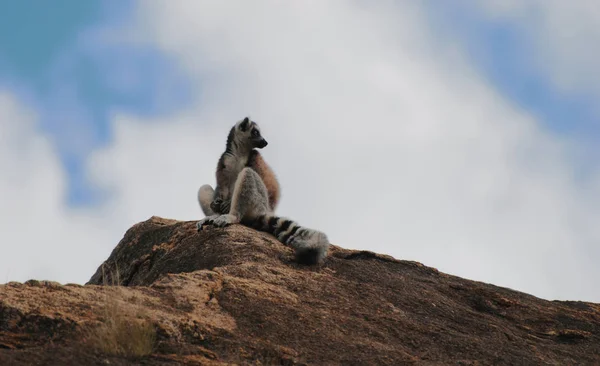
248, 133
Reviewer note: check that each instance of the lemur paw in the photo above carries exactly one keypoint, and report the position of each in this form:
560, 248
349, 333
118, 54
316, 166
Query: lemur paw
224, 220
216, 205
205, 222
221, 206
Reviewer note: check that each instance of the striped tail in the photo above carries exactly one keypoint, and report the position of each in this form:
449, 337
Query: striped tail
310, 245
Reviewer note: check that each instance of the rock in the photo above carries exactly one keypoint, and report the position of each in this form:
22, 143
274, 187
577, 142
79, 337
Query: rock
236, 296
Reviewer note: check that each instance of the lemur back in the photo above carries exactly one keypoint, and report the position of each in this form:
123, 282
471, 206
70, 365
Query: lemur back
240, 152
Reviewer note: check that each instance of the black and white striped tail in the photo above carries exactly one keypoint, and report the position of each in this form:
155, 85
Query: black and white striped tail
310, 248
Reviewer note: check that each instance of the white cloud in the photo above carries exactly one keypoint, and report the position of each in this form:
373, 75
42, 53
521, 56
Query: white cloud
563, 35
381, 134
42, 238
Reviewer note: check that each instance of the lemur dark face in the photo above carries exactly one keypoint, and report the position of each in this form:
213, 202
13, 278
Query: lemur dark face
251, 131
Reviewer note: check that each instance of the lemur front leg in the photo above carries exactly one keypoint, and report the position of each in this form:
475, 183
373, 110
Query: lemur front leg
221, 192
249, 199
224, 183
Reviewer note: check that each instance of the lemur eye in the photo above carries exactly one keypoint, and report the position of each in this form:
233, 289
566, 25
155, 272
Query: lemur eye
255, 133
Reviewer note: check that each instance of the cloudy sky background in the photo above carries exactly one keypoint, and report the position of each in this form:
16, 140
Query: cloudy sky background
462, 136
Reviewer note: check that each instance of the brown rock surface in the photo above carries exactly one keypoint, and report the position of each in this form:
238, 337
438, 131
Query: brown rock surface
234, 296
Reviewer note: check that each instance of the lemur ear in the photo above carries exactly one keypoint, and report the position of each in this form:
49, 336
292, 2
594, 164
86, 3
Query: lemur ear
245, 123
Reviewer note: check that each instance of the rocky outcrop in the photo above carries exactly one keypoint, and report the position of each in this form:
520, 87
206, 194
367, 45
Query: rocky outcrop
235, 296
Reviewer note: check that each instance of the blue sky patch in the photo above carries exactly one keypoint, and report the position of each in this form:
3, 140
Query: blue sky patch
503, 55
54, 57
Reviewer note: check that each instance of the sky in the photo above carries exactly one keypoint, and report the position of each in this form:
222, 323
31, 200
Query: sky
463, 137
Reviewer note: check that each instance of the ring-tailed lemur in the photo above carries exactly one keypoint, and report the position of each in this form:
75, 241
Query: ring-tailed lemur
250, 207
240, 151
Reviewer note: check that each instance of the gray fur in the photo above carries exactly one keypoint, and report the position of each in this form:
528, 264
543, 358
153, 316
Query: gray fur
243, 137
205, 197
250, 207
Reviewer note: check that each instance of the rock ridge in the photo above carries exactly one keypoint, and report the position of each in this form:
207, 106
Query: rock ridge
235, 296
